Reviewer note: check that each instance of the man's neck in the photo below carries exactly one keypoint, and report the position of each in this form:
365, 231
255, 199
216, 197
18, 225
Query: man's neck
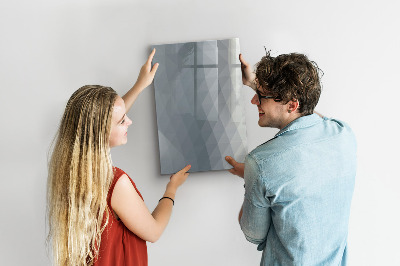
290, 119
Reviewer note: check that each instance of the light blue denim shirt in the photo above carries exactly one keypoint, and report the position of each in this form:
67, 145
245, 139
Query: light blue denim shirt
298, 190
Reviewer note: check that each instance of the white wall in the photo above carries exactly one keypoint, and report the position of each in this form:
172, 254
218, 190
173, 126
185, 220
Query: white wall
49, 49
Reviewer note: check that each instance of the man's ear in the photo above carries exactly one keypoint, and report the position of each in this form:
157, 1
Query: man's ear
293, 105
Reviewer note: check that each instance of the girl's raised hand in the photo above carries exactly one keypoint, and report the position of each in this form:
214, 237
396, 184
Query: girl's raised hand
146, 74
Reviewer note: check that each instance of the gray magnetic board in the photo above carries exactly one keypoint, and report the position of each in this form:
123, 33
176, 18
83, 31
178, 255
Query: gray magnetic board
200, 115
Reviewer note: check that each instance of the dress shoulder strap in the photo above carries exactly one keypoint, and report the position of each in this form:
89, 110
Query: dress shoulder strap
117, 174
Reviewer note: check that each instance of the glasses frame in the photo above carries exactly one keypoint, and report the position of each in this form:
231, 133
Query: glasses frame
276, 99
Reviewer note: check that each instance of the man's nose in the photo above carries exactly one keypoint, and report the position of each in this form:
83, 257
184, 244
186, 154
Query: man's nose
254, 100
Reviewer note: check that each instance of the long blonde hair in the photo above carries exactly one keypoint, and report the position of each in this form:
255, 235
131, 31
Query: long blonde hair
80, 174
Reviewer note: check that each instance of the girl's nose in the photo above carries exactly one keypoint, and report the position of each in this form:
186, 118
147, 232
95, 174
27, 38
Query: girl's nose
129, 122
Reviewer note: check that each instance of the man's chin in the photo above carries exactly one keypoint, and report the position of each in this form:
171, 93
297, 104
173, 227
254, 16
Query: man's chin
262, 123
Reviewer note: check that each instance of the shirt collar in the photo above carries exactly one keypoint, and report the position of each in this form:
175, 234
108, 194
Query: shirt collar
301, 122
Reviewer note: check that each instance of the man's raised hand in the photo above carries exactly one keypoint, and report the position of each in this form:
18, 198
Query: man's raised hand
248, 76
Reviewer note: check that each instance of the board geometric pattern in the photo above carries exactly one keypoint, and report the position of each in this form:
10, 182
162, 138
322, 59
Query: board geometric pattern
200, 115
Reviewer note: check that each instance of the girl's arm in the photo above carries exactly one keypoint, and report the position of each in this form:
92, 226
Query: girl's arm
146, 76
131, 209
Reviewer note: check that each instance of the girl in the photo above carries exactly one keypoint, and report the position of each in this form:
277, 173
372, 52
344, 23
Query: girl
96, 214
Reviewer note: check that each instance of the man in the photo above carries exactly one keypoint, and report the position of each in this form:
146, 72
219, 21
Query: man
299, 184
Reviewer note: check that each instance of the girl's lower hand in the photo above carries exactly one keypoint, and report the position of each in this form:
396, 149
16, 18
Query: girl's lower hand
176, 180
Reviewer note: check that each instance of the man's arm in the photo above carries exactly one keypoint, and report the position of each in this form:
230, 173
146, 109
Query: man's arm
319, 114
248, 75
254, 216
240, 213
238, 169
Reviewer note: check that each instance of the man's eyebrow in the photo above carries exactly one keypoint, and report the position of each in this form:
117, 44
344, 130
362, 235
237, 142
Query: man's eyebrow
121, 118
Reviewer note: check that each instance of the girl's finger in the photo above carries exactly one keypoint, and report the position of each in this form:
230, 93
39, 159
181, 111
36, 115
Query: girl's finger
153, 71
151, 56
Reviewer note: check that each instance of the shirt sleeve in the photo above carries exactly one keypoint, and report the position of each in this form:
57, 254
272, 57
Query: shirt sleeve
256, 216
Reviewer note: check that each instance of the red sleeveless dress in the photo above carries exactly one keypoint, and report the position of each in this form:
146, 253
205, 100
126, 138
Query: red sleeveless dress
119, 246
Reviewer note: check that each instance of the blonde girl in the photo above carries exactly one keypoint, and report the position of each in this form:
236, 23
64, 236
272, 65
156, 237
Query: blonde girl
96, 214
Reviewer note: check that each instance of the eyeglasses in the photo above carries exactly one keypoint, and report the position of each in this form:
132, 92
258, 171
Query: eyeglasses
276, 99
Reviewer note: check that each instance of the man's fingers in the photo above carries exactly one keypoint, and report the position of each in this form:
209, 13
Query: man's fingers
242, 60
230, 160
151, 56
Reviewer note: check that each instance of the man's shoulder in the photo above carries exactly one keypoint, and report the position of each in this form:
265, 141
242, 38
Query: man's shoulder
336, 128
267, 151
294, 140
336, 122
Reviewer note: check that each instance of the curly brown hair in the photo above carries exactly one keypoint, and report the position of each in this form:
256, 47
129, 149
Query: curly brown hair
290, 77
